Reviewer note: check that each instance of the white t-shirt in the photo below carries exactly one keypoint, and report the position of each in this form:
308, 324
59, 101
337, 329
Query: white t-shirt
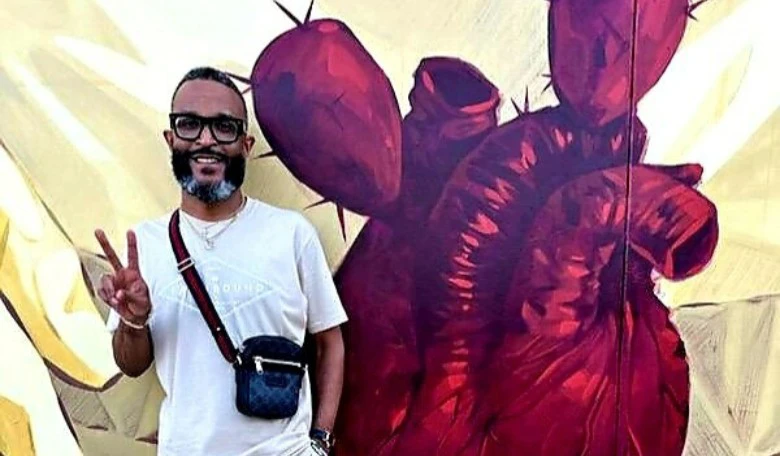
267, 275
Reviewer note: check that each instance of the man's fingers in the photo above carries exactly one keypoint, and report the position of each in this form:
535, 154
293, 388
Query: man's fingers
108, 250
119, 302
135, 297
106, 288
104, 296
132, 250
115, 304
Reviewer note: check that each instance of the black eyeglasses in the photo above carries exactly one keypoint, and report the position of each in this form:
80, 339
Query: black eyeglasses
224, 129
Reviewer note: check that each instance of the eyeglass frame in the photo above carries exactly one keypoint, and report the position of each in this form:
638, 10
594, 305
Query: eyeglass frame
207, 121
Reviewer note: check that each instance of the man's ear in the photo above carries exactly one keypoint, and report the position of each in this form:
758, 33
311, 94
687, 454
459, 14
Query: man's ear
249, 143
168, 135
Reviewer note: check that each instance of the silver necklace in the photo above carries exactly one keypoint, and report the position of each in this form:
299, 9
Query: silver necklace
208, 241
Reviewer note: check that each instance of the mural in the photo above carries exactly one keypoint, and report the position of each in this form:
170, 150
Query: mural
559, 243
528, 325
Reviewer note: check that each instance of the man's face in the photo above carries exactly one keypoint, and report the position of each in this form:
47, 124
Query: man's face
207, 140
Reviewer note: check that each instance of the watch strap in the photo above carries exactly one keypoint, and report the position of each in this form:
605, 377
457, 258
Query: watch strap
323, 436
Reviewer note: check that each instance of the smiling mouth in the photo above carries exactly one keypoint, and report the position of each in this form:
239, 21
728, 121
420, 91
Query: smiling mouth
208, 159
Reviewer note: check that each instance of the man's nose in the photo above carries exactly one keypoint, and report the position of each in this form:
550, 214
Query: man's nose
206, 138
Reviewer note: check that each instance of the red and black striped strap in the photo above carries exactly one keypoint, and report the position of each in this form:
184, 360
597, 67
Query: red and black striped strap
191, 277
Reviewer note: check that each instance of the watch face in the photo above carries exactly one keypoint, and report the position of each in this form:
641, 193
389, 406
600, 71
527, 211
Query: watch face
325, 436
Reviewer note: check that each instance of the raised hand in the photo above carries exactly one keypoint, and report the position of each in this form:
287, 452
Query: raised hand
124, 290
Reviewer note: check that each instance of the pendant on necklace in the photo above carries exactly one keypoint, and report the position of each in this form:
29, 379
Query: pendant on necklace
209, 244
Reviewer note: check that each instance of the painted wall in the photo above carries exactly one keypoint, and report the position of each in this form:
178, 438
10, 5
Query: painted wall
551, 222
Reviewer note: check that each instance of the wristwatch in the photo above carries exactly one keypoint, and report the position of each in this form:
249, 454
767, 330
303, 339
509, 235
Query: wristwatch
323, 438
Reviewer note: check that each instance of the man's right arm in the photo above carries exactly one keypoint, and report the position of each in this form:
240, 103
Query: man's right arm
132, 349
126, 292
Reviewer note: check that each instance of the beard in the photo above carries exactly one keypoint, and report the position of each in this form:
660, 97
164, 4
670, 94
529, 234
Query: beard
208, 192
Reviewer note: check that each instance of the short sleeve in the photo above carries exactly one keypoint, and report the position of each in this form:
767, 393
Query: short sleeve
325, 310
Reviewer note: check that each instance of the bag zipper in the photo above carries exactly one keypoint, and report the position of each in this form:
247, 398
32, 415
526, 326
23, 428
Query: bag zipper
259, 360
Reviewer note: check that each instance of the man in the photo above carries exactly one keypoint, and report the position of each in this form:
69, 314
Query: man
264, 270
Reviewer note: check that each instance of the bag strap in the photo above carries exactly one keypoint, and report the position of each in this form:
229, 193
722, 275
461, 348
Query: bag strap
186, 267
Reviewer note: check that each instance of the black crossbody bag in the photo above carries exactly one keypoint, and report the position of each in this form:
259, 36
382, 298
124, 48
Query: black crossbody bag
269, 370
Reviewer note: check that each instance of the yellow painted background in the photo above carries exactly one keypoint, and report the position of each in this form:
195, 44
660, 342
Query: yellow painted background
85, 86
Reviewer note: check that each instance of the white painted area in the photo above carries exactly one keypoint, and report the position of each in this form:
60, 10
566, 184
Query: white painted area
82, 139
675, 100
16, 200
133, 77
756, 100
174, 36
83, 332
28, 385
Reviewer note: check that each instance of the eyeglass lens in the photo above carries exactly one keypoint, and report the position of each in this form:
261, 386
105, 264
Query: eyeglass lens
222, 129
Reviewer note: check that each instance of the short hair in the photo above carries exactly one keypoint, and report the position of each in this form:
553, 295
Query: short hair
207, 73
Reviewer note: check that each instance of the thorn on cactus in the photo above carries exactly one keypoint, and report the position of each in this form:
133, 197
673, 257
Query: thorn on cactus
692, 7
549, 82
338, 98
308, 13
340, 213
243, 79
287, 13
517, 108
318, 203
625, 45
267, 155
527, 104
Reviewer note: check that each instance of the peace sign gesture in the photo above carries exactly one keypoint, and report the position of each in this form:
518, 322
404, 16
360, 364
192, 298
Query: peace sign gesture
125, 290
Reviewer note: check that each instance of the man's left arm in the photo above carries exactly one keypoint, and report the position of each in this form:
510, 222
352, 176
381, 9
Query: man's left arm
329, 377
325, 315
